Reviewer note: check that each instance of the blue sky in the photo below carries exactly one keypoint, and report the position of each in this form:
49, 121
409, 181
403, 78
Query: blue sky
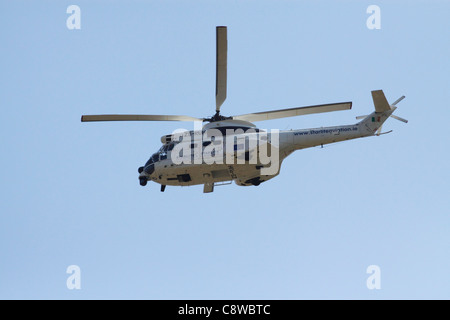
70, 192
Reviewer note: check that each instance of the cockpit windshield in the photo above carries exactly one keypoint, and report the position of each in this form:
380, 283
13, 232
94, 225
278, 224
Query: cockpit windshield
154, 158
161, 154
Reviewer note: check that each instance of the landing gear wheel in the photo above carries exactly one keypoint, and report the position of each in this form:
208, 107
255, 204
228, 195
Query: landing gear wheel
143, 181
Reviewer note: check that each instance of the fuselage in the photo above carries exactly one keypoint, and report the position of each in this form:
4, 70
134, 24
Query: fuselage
236, 151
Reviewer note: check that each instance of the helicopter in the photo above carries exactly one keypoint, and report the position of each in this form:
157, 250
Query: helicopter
233, 148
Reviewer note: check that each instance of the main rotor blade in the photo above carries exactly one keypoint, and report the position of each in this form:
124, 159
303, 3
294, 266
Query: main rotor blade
292, 112
221, 66
136, 117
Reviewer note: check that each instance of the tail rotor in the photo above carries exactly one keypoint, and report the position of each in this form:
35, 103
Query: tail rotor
381, 105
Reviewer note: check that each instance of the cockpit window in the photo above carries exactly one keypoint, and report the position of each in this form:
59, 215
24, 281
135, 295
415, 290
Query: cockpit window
151, 160
161, 154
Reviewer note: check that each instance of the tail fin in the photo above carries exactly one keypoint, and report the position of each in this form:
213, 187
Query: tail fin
380, 101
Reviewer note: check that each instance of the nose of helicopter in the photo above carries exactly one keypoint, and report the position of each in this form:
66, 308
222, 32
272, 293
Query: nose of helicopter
144, 172
149, 169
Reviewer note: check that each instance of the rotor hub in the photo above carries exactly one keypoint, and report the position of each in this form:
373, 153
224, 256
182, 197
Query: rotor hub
217, 117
